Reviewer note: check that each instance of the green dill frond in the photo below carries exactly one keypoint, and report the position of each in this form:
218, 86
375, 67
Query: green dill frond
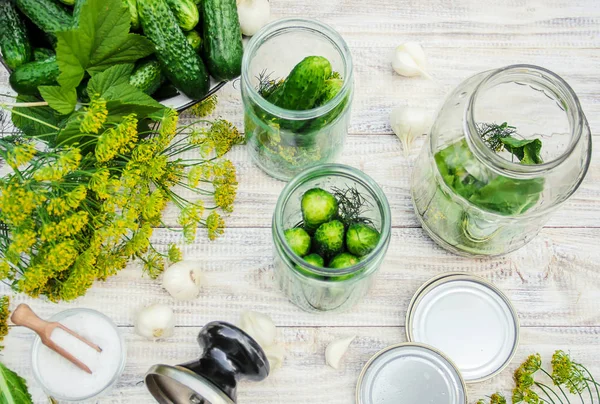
352, 206
267, 85
492, 133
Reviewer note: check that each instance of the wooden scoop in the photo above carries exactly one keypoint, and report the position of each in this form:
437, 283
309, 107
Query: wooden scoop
23, 315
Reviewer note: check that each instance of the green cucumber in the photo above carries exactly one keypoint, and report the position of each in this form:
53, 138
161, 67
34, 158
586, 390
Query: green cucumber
194, 39
223, 48
14, 43
147, 76
318, 206
329, 239
178, 60
28, 77
361, 239
186, 13
49, 16
133, 13
40, 54
298, 240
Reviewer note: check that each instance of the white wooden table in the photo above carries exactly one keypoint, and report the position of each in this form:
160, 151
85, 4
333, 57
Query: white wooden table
554, 281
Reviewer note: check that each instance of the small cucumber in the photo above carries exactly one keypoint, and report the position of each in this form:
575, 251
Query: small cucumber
178, 60
194, 39
147, 76
331, 89
186, 12
223, 48
40, 54
49, 16
28, 77
14, 43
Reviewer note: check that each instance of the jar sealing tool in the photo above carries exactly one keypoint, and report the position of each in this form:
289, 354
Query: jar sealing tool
24, 316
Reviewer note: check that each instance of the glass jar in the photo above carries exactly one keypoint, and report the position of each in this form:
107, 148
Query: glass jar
318, 289
482, 185
284, 142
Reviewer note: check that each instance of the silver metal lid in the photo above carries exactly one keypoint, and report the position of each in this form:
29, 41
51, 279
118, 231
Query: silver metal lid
410, 373
469, 320
178, 385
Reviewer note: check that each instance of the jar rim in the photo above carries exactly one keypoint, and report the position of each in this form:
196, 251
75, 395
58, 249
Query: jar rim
337, 170
274, 28
543, 77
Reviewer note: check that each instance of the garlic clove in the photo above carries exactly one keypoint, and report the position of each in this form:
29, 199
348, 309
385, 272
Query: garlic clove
260, 327
253, 15
155, 321
275, 355
409, 60
408, 123
336, 350
183, 280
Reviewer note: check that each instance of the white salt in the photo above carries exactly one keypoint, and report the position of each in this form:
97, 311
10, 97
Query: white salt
62, 378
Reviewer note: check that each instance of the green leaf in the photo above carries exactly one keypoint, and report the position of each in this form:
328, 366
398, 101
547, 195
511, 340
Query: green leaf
528, 151
102, 39
60, 99
125, 99
31, 127
13, 388
111, 77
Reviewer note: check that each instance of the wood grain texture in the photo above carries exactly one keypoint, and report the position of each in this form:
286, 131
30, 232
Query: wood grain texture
554, 281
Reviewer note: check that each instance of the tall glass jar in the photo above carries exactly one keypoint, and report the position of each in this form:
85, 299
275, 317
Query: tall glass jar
507, 148
314, 288
284, 142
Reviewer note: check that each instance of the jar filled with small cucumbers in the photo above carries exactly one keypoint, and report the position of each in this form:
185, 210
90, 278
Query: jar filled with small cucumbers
297, 88
331, 231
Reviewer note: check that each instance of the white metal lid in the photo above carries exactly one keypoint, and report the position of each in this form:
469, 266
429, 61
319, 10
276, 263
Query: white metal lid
469, 320
410, 374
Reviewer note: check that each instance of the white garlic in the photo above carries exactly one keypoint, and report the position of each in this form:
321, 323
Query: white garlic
253, 15
275, 355
260, 327
409, 60
336, 350
408, 123
155, 321
182, 280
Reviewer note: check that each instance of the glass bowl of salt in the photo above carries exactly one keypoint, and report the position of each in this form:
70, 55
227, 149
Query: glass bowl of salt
64, 381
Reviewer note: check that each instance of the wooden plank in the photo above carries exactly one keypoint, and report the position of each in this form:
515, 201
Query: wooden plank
553, 281
304, 376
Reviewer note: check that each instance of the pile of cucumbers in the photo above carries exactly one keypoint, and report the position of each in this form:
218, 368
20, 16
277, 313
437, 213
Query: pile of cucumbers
193, 40
325, 239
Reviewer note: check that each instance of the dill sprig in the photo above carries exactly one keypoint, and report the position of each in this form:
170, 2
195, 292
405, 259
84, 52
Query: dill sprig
352, 206
266, 84
492, 133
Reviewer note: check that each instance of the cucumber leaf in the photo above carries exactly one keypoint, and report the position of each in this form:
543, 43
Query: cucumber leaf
60, 99
33, 127
101, 40
111, 77
13, 388
528, 151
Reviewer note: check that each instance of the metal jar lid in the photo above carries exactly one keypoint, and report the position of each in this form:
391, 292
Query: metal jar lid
469, 320
410, 373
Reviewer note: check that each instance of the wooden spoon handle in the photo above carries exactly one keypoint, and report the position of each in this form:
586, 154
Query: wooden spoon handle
23, 315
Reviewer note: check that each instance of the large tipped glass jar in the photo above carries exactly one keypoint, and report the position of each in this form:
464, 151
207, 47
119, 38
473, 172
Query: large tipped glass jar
316, 288
285, 141
507, 148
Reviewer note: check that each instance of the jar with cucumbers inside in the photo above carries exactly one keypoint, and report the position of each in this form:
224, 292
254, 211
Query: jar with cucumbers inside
508, 147
297, 88
331, 231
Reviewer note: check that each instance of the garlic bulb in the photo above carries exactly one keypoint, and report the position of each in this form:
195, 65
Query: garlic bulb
260, 327
275, 355
253, 15
155, 321
409, 60
182, 280
408, 123
336, 350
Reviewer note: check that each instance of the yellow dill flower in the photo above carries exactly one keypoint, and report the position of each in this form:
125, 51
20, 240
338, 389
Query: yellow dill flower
94, 116
195, 175
198, 136
17, 202
168, 126
225, 196
108, 264
4, 314
204, 107
5, 269
174, 172
21, 154
225, 136
155, 168
67, 227
128, 134
139, 242
131, 176
67, 161
224, 173
154, 265
215, 225
71, 200
33, 280
99, 183
108, 145
80, 278
143, 152
154, 205
189, 218
61, 256
174, 254
22, 241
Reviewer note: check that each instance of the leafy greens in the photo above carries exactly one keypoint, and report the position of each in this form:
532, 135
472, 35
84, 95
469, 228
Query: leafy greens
13, 388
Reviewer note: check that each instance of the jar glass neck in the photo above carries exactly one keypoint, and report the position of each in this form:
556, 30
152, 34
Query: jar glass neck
539, 102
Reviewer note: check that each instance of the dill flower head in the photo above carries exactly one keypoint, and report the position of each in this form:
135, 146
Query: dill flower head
168, 126
497, 398
225, 136
20, 154
17, 202
128, 133
117, 140
225, 196
154, 205
66, 227
80, 277
154, 265
174, 254
94, 116
4, 314
5, 270
143, 152
566, 372
189, 218
204, 107
525, 396
22, 241
215, 225
68, 160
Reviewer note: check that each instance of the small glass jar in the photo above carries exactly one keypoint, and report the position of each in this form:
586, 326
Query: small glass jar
317, 289
285, 142
475, 197
110, 378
